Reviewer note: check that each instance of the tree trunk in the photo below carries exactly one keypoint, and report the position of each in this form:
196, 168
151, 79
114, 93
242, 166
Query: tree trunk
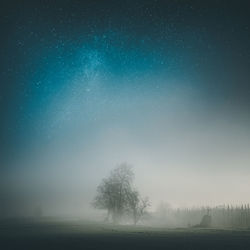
134, 218
107, 217
116, 217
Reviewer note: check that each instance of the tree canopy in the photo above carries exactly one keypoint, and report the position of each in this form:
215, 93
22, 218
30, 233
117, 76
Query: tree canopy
117, 195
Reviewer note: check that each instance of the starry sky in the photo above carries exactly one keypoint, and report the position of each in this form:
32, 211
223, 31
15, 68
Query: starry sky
164, 85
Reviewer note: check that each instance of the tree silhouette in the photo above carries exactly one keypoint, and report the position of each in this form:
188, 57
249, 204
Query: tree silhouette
117, 195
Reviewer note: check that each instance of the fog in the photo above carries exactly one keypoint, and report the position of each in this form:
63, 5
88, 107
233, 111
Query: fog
87, 85
182, 152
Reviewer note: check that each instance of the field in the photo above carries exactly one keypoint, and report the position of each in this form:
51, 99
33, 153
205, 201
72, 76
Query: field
56, 234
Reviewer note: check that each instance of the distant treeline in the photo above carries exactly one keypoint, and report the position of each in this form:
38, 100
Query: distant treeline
227, 216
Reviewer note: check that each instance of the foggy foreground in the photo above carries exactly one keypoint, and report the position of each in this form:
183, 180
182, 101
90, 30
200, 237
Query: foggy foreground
75, 234
121, 218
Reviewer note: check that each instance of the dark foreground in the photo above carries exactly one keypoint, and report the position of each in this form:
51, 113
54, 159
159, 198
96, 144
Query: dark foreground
54, 234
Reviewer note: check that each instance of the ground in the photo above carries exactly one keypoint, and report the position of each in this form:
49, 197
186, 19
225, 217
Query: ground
76, 234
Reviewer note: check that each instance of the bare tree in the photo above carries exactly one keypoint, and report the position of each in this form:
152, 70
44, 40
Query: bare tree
117, 195
112, 192
137, 205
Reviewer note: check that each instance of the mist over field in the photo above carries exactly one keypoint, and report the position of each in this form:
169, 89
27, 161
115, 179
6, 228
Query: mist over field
125, 124
180, 155
85, 88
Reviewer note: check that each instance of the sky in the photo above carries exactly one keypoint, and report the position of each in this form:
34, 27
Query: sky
86, 85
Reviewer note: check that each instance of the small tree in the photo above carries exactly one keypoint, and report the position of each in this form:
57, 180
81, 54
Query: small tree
117, 195
137, 205
112, 192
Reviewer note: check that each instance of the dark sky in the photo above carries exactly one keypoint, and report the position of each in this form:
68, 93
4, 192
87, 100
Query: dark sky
207, 41
70, 69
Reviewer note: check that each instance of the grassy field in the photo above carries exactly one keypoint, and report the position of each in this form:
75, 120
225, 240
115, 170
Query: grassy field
56, 234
